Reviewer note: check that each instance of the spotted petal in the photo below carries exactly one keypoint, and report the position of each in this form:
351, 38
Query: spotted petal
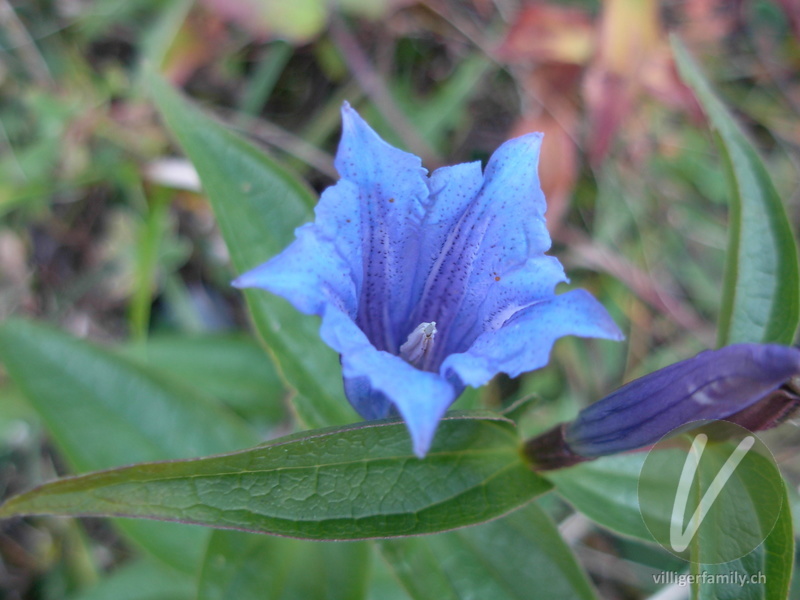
492, 243
391, 192
524, 341
376, 381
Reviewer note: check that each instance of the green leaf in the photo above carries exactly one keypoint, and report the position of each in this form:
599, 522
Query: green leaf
761, 296
504, 560
383, 583
737, 520
242, 566
258, 204
102, 411
339, 484
606, 491
230, 367
768, 568
142, 580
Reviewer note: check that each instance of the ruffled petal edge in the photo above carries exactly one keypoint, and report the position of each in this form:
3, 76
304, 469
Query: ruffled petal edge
524, 342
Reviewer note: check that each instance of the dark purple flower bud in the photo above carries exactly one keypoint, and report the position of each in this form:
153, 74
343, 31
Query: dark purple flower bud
747, 384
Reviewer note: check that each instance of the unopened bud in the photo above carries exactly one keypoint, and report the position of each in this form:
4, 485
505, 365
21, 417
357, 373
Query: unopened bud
747, 384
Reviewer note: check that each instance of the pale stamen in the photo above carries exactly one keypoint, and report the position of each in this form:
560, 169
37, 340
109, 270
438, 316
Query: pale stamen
419, 344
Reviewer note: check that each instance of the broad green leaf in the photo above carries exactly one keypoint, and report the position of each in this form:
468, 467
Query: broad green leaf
736, 522
242, 566
767, 570
761, 297
16, 415
338, 484
142, 580
102, 411
383, 582
230, 367
606, 491
258, 204
517, 557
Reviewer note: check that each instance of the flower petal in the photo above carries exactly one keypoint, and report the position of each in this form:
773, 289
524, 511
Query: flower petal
392, 190
374, 378
360, 250
530, 283
310, 273
524, 341
452, 191
495, 236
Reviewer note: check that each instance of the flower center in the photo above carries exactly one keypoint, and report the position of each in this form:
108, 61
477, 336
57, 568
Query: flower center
419, 344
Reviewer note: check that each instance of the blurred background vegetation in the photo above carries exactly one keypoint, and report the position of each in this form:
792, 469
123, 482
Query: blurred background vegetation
105, 233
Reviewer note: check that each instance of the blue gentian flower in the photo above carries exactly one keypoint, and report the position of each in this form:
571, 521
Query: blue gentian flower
428, 284
747, 384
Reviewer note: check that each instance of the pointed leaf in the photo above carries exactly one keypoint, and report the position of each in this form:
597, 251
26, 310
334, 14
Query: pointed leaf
258, 204
102, 410
338, 484
761, 297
